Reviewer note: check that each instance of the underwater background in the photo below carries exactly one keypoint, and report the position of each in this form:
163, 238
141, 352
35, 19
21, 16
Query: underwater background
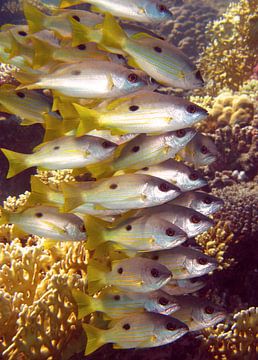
222, 38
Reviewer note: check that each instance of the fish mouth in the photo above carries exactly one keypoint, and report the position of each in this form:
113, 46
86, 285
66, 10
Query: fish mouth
220, 317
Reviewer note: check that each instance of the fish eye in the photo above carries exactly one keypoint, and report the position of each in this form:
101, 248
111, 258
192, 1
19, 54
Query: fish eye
157, 49
204, 149
75, 17
121, 57
133, 108
106, 144
193, 176
126, 326
155, 257
22, 33
164, 187
163, 301
209, 309
195, 219
82, 47
207, 200
198, 75
113, 186
155, 272
56, 147
162, 8
135, 148
132, 78
170, 326
38, 214
120, 270
20, 94
170, 232
129, 227
191, 108
117, 297
202, 261
180, 133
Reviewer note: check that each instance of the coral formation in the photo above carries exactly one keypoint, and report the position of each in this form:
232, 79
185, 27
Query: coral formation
229, 59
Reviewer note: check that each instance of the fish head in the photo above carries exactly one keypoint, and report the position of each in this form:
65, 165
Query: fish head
76, 229
206, 314
183, 286
101, 148
198, 264
161, 302
178, 139
205, 151
170, 329
192, 79
157, 12
160, 191
189, 113
128, 81
194, 223
206, 204
154, 275
190, 179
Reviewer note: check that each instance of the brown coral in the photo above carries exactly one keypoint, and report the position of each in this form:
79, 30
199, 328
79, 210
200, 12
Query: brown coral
229, 59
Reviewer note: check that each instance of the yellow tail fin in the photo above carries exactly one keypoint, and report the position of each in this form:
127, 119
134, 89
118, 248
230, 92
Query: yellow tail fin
96, 276
42, 194
17, 162
95, 232
4, 216
35, 18
113, 35
43, 52
26, 79
84, 302
67, 3
95, 338
72, 197
83, 34
89, 119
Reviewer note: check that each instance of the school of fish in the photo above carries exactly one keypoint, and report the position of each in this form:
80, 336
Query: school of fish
91, 81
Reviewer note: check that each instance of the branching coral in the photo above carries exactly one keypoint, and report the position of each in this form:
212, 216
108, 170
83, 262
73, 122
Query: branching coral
229, 59
236, 341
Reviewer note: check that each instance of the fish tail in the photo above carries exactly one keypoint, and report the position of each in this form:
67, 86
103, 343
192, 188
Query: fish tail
72, 197
95, 338
85, 303
96, 276
4, 216
103, 168
82, 33
40, 193
43, 53
35, 18
95, 231
17, 162
53, 127
16, 48
27, 80
67, 3
113, 35
89, 119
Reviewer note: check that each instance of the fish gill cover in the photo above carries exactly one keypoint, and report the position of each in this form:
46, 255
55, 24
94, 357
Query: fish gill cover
115, 242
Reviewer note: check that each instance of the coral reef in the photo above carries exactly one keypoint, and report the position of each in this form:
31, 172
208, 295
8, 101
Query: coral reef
229, 59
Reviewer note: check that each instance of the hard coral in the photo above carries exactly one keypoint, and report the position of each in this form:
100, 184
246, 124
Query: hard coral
235, 341
231, 55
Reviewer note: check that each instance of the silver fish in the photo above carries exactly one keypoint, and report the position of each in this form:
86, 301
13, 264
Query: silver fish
183, 286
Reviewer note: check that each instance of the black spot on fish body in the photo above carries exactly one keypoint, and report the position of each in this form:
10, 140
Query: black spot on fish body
126, 326
82, 47
20, 94
76, 72
129, 227
135, 148
157, 49
113, 186
145, 169
155, 257
120, 270
133, 108
39, 215
22, 33
56, 147
75, 17
117, 297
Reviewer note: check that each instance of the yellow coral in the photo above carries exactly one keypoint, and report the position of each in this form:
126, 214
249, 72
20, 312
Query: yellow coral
215, 243
229, 59
239, 341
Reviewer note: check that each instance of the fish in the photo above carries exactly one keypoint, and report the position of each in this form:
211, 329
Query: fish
184, 262
190, 221
160, 59
62, 153
116, 304
29, 105
202, 202
183, 286
140, 234
46, 221
177, 173
89, 79
133, 274
147, 150
136, 331
144, 11
198, 314
142, 112
59, 22
127, 191
200, 151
